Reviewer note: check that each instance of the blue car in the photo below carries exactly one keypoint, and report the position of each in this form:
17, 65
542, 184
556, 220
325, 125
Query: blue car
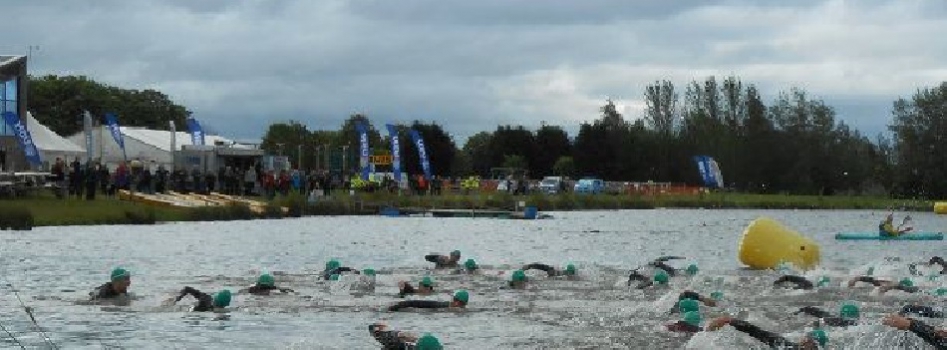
590, 186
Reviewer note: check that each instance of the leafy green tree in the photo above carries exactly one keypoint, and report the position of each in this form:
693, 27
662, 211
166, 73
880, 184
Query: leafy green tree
552, 143
59, 102
920, 143
565, 166
477, 150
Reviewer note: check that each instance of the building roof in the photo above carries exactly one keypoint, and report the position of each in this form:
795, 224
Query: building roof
5, 60
161, 139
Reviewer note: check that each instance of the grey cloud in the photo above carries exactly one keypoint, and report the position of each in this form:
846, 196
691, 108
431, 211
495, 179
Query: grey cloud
470, 65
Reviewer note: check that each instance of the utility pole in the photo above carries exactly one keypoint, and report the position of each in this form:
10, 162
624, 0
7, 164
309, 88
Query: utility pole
345, 153
299, 162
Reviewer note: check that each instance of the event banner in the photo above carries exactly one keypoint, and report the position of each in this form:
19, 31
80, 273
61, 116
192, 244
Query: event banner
422, 153
395, 151
709, 171
363, 149
23, 136
112, 122
197, 134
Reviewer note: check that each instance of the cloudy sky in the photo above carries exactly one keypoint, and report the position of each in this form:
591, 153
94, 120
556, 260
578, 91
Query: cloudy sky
470, 65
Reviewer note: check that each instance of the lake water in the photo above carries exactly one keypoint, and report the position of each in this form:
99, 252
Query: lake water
53, 269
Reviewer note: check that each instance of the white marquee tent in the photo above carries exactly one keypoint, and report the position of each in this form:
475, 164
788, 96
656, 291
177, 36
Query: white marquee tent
144, 144
50, 144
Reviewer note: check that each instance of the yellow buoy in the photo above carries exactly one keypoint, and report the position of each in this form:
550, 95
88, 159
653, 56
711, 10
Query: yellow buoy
766, 244
940, 207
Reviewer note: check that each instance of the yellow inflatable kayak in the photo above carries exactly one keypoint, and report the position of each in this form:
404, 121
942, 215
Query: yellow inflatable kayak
766, 243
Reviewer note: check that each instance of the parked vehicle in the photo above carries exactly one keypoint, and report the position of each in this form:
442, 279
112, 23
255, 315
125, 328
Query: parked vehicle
590, 186
552, 185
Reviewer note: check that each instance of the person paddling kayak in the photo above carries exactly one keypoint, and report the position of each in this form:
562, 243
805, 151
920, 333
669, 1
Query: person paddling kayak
887, 229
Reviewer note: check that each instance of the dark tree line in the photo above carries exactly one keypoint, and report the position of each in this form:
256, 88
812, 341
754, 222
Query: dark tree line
59, 101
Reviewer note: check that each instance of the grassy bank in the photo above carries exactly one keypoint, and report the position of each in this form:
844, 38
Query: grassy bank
48, 211
23, 213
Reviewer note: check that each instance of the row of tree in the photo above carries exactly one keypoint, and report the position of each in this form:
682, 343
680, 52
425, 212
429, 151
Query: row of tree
794, 144
59, 102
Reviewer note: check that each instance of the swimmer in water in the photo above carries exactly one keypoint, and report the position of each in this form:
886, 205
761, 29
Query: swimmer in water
398, 340
689, 323
264, 285
930, 335
568, 272
848, 315
205, 302
366, 282
459, 301
425, 287
934, 261
905, 285
334, 267
518, 280
118, 287
470, 267
798, 282
923, 311
444, 262
688, 301
660, 264
812, 341
660, 279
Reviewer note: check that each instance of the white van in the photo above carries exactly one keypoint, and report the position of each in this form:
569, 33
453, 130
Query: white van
551, 184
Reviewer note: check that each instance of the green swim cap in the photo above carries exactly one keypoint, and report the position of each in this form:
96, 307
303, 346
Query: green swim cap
470, 264
823, 281
716, 295
332, 265
940, 292
661, 277
222, 299
906, 283
368, 272
692, 318
455, 253
266, 280
849, 310
692, 269
688, 305
819, 336
426, 281
518, 276
119, 273
462, 296
570, 269
334, 277
428, 342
